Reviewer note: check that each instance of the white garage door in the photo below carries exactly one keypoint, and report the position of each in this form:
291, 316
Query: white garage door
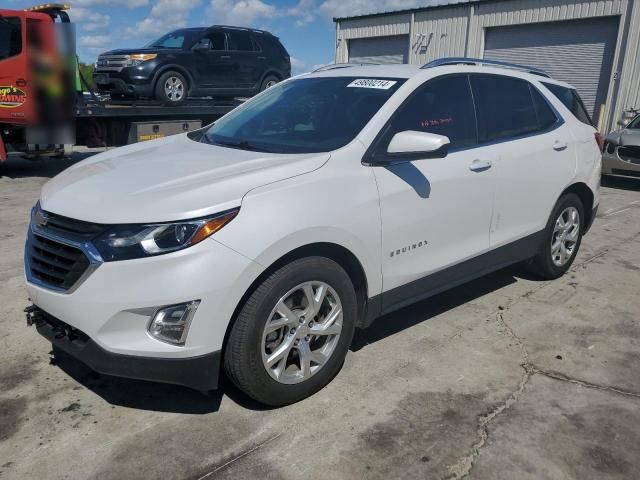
393, 49
579, 52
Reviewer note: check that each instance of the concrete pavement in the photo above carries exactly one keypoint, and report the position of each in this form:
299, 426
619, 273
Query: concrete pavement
505, 377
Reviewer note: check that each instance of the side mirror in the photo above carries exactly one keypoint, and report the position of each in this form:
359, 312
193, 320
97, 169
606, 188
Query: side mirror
411, 143
203, 44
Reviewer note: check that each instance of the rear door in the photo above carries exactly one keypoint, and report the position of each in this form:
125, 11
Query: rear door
534, 151
16, 104
245, 59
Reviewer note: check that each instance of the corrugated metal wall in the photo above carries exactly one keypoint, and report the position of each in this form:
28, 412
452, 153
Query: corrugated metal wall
459, 30
579, 52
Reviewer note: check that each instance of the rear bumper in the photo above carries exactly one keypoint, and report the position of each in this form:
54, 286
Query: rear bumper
200, 373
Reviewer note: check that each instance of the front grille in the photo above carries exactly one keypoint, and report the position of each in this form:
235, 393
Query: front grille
630, 154
111, 63
64, 226
54, 263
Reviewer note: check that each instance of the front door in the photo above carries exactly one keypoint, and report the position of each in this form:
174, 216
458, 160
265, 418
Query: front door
214, 66
436, 212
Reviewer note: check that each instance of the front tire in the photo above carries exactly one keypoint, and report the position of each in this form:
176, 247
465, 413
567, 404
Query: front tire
269, 82
171, 89
293, 332
562, 239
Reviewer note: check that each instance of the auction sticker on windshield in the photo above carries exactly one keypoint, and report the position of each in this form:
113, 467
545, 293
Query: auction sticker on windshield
373, 83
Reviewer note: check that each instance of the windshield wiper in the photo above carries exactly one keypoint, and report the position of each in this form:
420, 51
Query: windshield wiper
240, 145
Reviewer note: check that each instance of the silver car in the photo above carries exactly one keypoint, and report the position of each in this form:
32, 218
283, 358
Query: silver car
621, 154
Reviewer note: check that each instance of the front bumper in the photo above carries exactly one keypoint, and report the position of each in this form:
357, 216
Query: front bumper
139, 83
612, 164
200, 373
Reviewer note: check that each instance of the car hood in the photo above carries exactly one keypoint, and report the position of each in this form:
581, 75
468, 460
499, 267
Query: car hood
169, 179
133, 51
625, 137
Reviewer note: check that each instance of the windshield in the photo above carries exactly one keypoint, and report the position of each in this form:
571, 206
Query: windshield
175, 39
306, 115
635, 123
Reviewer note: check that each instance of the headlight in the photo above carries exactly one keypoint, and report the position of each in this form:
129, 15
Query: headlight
138, 58
125, 242
609, 147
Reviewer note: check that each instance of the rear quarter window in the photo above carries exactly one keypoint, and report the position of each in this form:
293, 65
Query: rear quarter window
570, 99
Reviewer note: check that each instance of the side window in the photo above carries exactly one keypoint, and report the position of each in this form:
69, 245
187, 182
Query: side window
240, 41
570, 98
217, 40
546, 116
505, 107
256, 44
443, 106
10, 37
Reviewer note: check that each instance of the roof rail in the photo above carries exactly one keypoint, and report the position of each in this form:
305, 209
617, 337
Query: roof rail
334, 66
244, 29
483, 62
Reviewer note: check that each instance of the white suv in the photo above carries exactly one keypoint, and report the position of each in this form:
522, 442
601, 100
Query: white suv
257, 244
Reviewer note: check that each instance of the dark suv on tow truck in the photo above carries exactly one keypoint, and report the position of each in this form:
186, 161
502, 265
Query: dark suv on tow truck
218, 61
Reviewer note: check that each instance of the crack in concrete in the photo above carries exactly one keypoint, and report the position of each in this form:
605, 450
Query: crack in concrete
240, 456
462, 468
583, 383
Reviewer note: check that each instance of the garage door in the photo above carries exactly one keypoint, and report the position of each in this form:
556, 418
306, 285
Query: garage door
394, 49
579, 52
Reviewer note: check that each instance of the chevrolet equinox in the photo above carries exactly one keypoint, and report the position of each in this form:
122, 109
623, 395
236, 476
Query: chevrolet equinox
256, 245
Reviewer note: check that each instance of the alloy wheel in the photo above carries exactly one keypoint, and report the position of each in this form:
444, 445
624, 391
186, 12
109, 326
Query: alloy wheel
174, 89
302, 332
564, 239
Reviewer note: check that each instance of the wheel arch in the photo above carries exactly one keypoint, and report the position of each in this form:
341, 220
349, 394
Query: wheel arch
176, 68
586, 196
339, 254
273, 73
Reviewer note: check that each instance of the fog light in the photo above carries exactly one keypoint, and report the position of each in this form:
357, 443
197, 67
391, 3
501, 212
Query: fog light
171, 324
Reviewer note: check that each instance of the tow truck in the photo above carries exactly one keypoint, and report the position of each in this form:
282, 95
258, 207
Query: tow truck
45, 103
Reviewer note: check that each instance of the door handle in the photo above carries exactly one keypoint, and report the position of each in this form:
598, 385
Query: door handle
225, 57
480, 165
262, 58
559, 146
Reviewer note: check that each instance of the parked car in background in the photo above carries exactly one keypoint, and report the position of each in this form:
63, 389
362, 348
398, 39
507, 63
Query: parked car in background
621, 154
218, 61
258, 243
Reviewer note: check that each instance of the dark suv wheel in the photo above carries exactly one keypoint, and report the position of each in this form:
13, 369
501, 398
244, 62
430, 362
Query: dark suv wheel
171, 88
293, 332
269, 82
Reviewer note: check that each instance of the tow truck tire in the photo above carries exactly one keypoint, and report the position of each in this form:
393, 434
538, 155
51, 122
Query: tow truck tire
172, 88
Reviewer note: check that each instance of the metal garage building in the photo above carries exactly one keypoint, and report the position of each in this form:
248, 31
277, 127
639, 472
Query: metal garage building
592, 44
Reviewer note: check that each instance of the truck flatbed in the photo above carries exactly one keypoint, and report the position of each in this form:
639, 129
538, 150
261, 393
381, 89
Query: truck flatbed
196, 108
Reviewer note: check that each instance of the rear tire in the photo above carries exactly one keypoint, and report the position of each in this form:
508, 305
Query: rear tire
267, 361
562, 239
171, 88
